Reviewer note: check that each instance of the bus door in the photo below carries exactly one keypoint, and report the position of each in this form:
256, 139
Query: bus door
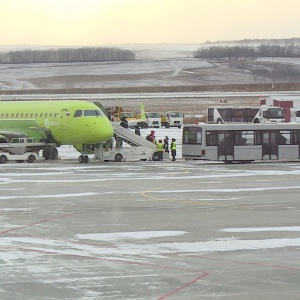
226, 141
269, 145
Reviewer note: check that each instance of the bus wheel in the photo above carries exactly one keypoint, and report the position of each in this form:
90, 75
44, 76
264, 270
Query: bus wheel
256, 121
219, 121
228, 161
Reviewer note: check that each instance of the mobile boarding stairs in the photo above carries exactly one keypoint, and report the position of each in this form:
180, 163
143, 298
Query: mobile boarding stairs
125, 145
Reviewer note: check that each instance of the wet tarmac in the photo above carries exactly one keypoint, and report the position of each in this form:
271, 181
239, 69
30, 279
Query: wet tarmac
149, 230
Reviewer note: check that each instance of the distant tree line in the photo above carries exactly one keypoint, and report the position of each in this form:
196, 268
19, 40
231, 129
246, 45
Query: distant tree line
250, 52
66, 55
255, 42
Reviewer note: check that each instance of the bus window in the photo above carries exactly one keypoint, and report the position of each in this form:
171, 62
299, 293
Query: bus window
211, 138
294, 137
192, 135
285, 137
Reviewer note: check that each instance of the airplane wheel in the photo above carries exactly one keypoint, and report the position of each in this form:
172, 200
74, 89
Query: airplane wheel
47, 154
54, 154
3, 159
81, 159
85, 159
31, 159
118, 157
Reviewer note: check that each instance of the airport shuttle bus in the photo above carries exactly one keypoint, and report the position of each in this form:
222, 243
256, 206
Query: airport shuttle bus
241, 142
246, 114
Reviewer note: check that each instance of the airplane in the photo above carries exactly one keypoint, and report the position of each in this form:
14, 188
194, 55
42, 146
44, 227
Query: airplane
56, 122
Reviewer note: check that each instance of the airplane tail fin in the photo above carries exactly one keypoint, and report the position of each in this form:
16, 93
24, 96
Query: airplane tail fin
143, 114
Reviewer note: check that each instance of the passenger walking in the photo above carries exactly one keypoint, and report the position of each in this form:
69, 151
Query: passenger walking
151, 137
173, 149
160, 150
166, 144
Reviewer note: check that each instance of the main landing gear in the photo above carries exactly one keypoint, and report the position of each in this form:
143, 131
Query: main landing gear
50, 153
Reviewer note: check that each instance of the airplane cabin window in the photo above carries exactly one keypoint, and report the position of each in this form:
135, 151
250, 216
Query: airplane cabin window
17, 115
26, 115
78, 113
36, 114
31, 115
12, 115
55, 114
41, 114
45, 115
50, 115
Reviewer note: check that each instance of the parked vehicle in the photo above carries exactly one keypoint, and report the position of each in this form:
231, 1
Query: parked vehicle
241, 142
172, 119
245, 114
153, 119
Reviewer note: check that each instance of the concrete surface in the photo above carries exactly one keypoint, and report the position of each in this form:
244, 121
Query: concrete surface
149, 230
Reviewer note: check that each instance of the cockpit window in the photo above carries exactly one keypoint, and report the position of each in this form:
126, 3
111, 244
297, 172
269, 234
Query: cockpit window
89, 113
99, 112
78, 113
92, 113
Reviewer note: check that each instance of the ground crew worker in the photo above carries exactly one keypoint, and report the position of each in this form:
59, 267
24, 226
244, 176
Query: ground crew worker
173, 149
160, 150
166, 144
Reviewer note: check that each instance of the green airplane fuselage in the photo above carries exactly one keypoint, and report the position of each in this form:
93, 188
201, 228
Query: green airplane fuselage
68, 122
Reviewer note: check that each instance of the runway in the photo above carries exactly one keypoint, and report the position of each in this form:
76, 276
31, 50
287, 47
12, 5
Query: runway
149, 230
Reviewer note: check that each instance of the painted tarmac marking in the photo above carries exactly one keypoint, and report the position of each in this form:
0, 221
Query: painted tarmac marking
144, 194
36, 223
184, 286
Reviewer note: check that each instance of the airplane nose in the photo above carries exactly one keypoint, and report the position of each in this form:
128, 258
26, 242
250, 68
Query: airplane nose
105, 130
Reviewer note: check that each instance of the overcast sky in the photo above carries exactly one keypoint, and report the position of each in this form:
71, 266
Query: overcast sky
100, 22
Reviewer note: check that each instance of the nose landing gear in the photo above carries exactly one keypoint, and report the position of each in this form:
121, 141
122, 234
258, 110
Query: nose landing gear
83, 158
